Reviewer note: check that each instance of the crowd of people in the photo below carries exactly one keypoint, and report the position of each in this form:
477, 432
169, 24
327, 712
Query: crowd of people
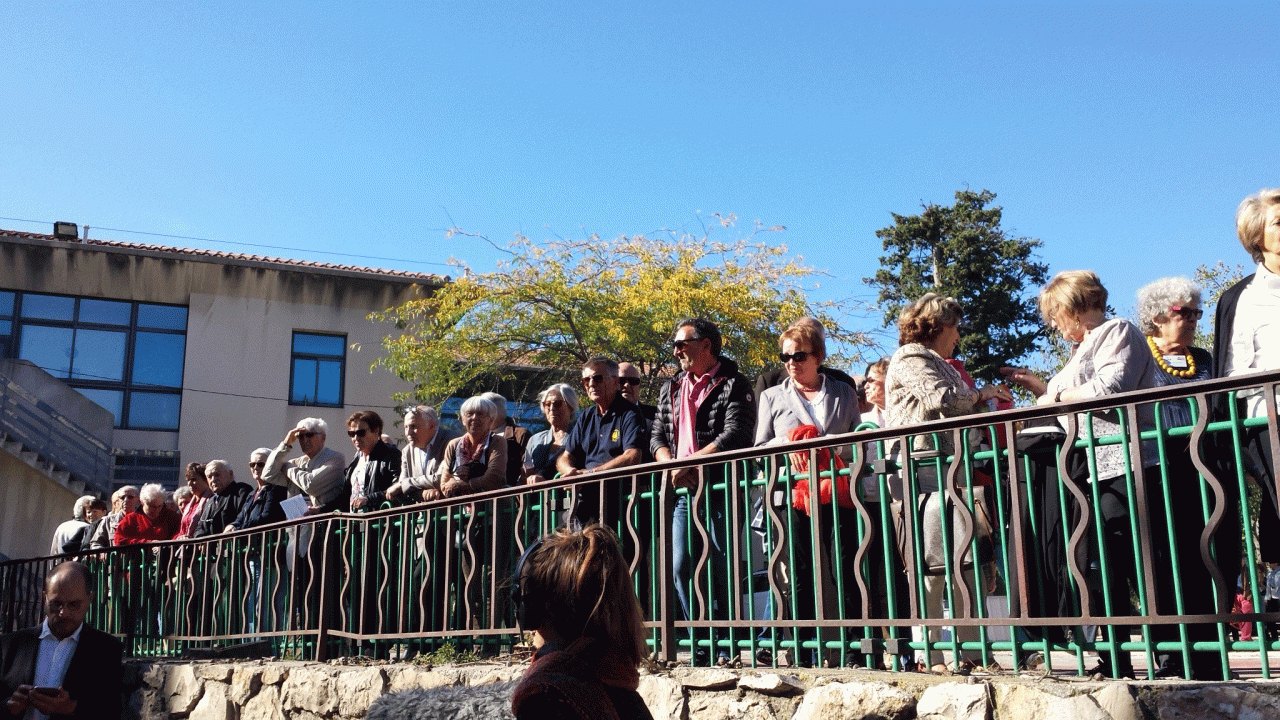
708, 406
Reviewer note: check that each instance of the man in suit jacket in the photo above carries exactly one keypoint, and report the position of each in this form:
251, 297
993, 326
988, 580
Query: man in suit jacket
421, 456
63, 668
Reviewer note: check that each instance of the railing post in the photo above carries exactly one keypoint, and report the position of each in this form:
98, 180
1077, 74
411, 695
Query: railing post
666, 569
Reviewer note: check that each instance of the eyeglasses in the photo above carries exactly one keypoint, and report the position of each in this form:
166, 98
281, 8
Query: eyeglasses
257, 465
799, 356
629, 381
307, 435
597, 378
358, 433
553, 404
1189, 313
679, 344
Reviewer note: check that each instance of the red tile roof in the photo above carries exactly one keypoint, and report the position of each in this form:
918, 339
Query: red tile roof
216, 255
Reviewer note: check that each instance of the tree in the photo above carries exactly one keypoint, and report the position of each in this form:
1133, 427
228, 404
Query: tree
1213, 281
961, 251
553, 305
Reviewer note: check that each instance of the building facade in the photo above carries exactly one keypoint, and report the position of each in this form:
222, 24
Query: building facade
199, 354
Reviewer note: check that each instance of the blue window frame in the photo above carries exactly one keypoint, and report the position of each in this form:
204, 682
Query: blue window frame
317, 369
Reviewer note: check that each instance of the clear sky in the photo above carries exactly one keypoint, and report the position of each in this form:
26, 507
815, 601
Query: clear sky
1123, 138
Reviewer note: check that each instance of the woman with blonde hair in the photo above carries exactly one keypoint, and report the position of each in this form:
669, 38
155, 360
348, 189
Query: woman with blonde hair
573, 591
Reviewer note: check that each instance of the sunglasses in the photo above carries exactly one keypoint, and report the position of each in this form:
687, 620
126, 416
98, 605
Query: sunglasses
629, 381
799, 356
307, 435
258, 465
553, 404
358, 433
597, 378
679, 344
1187, 312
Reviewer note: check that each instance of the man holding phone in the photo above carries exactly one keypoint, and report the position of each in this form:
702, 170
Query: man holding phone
62, 668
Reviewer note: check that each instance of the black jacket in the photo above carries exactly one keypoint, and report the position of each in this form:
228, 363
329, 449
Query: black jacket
221, 509
263, 509
727, 416
386, 470
93, 677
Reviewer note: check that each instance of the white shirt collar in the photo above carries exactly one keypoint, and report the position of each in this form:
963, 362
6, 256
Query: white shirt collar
45, 632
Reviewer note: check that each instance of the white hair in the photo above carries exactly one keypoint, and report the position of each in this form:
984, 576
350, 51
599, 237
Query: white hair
1155, 299
499, 405
425, 413
566, 393
314, 425
209, 467
80, 510
153, 491
479, 405
182, 492
263, 451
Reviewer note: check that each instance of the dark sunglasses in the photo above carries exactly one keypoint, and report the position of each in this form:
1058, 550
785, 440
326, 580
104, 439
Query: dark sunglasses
257, 465
597, 378
799, 356
679, 344
358, 433
628, 381
552, 403
307, 435
1188, 313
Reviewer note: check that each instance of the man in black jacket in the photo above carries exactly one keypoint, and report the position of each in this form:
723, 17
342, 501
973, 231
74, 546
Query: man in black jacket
708, 407
229, 496
63, 668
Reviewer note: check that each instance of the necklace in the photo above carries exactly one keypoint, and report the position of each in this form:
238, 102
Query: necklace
1189, 371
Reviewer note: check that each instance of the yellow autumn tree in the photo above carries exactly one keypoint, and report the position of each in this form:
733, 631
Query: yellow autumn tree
555, 304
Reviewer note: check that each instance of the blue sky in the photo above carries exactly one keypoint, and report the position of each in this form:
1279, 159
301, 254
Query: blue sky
1122, 137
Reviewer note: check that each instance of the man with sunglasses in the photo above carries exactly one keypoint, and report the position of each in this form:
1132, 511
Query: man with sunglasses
707, 407
610, 435
318, 472
629, 380
376, 466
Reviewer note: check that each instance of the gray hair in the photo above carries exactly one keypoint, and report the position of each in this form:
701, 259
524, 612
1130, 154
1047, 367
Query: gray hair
425, 413
1155, 299
499, 405
80, 510
182, 492
314, 425
209, 467
566, 393
479, 405
263, 451
607, 363
152, 491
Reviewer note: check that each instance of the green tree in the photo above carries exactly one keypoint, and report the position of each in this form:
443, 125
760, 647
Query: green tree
553, 305
961, 251
1213, 281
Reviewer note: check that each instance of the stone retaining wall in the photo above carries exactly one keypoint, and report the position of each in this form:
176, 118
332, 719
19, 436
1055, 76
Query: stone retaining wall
280, 690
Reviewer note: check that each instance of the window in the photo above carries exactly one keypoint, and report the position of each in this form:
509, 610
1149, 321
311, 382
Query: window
318, 368
139, 467
125, 356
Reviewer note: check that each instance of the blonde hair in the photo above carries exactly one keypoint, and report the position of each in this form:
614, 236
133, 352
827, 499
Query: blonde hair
1073, 291
805, 335
1250, 216
924, 320
581, 586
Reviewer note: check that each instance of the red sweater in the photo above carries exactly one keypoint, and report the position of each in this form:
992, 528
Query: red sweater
137, 528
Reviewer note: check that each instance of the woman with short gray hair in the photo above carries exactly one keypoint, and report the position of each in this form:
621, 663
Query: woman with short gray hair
1167, 313
477, 461
559, 405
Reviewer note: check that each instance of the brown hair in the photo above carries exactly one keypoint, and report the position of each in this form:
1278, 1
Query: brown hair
924, 320
1074, 292
805, 335
371, 418
580, 584
195, 468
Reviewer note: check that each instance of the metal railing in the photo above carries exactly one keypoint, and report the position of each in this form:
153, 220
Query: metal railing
1022, 548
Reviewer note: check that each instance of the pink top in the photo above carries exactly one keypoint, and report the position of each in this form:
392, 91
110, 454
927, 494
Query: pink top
190, 514
692, 393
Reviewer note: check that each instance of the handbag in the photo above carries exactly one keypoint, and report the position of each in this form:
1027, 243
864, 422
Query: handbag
929, 521
829, 465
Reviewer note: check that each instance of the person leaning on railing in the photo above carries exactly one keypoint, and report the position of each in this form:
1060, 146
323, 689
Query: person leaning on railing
559, 404
1168, 310
1110, 356
920, 386
816, 404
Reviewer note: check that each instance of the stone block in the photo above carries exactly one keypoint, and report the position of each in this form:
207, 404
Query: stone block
663, 696
772, 684
706, 678
214, 705
1017, 702
218, 672
954, 701
856, 700
245, 682
311, 690
181, 689
1214, 702
265, 705
357, 689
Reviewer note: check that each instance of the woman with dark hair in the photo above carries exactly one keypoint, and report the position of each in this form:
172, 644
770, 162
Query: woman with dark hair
573, 591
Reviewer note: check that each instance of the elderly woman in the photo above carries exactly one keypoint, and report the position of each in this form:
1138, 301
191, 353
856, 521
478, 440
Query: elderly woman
477, 461
809, 404
920, 385
1110, 356
559, 404
151, 522
1168, 310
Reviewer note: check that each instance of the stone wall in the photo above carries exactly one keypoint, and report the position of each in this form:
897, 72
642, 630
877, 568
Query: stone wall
270, 690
